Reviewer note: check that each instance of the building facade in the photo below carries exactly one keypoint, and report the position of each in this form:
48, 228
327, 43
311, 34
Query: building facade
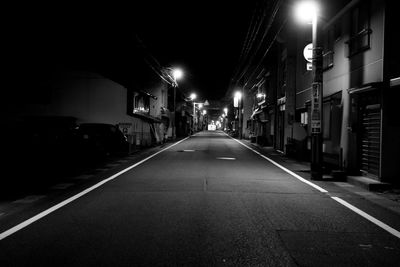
360, 87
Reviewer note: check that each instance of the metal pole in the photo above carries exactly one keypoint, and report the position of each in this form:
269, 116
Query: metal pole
194, 111
174, 126
240, 118
316, 103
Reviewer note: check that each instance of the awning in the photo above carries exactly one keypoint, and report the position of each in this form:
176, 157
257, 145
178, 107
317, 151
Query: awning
146, 117
365, 88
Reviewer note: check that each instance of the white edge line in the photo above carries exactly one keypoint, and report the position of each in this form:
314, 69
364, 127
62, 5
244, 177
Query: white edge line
339, 200
368, 217
69, 200
283, 168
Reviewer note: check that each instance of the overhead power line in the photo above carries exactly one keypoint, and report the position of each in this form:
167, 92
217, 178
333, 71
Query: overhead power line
275, 8
153, 62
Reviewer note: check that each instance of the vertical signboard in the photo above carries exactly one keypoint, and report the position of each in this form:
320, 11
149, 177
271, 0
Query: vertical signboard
316, 106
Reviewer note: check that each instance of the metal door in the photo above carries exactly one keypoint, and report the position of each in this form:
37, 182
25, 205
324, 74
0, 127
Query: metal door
370, 139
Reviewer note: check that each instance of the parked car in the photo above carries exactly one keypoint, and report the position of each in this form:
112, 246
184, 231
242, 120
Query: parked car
100, 139
35, 148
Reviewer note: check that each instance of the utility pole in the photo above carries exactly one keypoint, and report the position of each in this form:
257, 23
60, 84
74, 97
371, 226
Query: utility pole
316, 102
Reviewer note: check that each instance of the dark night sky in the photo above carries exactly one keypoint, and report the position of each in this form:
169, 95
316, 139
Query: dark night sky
203, 37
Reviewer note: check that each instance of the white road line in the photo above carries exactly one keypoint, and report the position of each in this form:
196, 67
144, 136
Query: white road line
339, 200
226, 158
283, 168
382, 225
69, 200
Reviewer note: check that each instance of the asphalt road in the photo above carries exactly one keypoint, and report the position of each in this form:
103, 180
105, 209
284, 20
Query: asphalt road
207, 201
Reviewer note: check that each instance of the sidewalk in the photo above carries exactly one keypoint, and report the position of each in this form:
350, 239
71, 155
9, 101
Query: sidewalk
303, 169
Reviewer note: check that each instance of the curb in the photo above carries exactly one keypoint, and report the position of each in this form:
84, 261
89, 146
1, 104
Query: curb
368, 183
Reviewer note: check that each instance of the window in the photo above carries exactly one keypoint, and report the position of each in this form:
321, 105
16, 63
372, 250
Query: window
138, 103
360, 29
326, 119
337, 31
332, 117
282, 72
328, 51
141, 103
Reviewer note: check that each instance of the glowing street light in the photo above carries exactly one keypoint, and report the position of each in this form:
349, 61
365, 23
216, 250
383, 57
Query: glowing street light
306, 11
177, 74
193, 96
238, 95
260, 95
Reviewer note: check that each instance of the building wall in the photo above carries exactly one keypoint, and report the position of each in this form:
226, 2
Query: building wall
347, 72
90, 97
247, 111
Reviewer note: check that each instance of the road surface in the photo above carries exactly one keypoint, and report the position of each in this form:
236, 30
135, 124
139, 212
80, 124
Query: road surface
205, 201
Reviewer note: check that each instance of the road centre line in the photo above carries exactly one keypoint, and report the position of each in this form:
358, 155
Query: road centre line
339, 200
46, 212
226, 158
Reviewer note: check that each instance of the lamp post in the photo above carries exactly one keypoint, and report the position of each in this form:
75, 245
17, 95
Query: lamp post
193, 97
204, 119
226, 118
237, 102
309, 11
200, 105
176, 74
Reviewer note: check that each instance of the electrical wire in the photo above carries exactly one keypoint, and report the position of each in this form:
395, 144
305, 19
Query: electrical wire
249, 40
276, 6
155, 66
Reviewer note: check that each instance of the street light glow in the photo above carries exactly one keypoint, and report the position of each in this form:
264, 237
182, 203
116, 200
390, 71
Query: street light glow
193, 96
260, 95
177, 73
238, 95
306, 11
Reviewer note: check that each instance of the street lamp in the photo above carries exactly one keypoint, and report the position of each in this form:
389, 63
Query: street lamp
308, 11
200, 105
237, 102
175, 74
